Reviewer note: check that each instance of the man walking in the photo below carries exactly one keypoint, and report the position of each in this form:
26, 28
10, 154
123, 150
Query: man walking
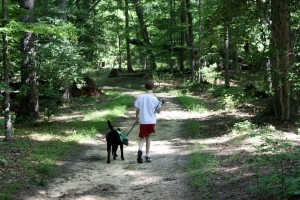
147, 105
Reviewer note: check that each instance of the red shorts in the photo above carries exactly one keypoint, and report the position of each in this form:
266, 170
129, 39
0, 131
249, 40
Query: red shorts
146, 130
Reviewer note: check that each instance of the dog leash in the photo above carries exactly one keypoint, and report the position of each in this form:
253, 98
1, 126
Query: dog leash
131, 128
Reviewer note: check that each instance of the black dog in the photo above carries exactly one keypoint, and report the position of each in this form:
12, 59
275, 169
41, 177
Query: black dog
113, 140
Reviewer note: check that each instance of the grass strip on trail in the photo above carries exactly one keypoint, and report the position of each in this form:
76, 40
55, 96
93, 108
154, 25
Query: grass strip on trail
201, 169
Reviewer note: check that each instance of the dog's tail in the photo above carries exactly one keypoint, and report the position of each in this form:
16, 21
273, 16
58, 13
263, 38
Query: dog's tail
109, 125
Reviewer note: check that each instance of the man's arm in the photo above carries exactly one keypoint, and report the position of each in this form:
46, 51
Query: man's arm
137, 112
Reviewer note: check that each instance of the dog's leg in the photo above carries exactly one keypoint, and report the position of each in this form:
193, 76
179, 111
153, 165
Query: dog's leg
108, 152
115, 148
121, 148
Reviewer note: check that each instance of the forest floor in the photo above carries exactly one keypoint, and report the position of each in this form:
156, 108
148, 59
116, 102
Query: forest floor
87, 176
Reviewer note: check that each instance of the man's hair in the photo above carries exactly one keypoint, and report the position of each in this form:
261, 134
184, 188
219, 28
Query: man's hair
149, 85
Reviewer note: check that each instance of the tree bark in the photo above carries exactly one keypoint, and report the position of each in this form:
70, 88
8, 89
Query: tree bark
29, 105
172, 34
140, 14
191, 39
63, 15
8, 123
62, 5
119, 49
264, 20
280, 34
128, 50
198, 67
226, 53
182, 35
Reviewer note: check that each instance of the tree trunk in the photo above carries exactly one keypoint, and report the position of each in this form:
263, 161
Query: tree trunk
119, 50
182, 36
265, 37
280, 33
237, 67
226, 53
198, 67
62, 14
128, 51
62, 5
172, 34
140, 14
29, 101
192, 60
8, 123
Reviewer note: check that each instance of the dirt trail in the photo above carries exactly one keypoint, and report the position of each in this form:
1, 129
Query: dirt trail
89, 177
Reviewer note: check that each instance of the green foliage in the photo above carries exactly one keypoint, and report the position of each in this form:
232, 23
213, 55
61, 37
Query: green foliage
244, 126
228, 101
210, 73
9, 188
2, 87
228, 98
57, 28
3, 161
48, 100
295, 78
61, 58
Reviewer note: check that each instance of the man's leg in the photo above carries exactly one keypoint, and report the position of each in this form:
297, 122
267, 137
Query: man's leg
147, 145
140, 153
148, 159
141, 143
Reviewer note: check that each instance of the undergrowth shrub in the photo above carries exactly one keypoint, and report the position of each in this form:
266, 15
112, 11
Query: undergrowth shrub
244, 126
3, 161
229, 98
228, 101
210, 74
49, 101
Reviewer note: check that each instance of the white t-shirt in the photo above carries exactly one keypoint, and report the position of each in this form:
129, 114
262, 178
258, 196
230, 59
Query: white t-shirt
147, 103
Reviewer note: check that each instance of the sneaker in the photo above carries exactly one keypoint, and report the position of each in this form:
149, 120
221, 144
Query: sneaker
147, 158
139, 158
